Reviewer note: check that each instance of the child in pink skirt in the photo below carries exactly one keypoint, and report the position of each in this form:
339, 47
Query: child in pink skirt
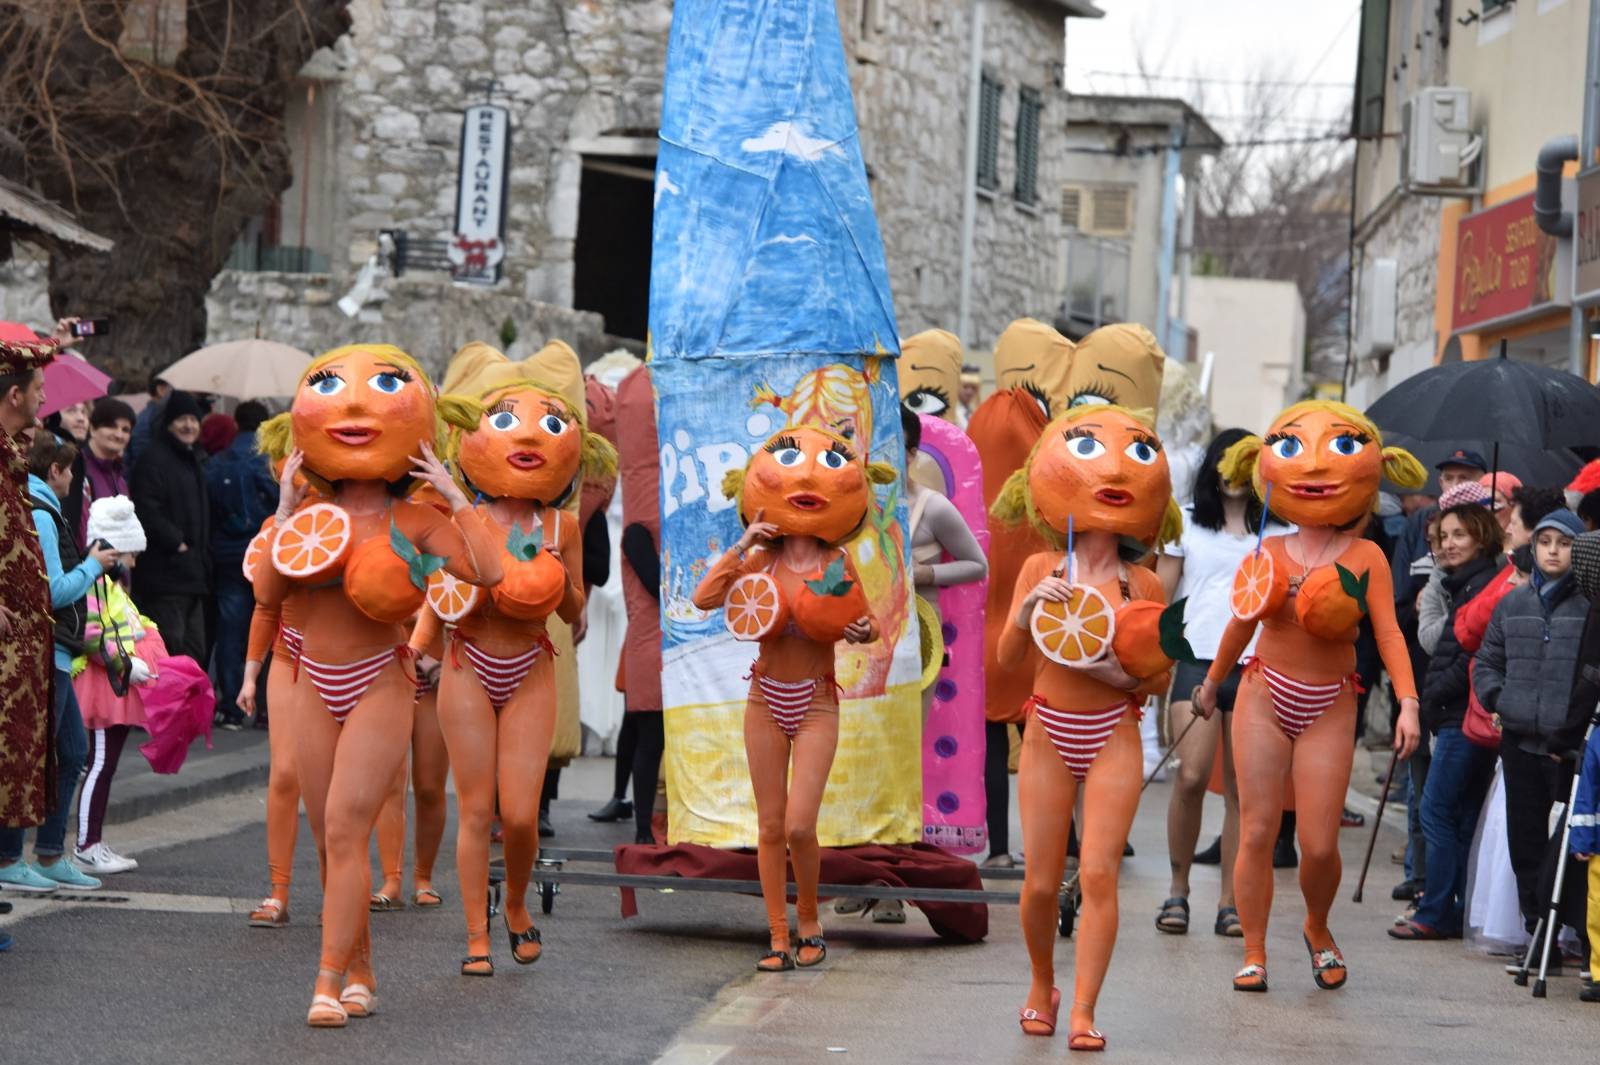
121, 648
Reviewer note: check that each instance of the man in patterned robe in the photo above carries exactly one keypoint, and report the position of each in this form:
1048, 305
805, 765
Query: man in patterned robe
27, 753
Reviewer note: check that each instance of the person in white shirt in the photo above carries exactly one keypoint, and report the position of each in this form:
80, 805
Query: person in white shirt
1220, 528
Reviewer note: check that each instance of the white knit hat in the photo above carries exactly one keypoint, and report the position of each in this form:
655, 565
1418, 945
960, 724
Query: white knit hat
113, 520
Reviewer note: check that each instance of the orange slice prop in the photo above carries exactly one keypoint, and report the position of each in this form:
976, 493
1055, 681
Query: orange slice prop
313, 543
255, 552
451, 598
755, 608
1137, 643
1323, 608
1259, 588
1077, 632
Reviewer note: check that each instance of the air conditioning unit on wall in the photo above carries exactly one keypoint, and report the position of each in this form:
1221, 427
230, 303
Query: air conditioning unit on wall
1439, 152
1376, 313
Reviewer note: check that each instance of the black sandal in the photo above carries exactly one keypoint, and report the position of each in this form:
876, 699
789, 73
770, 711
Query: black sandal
477, 959
1174, 916
521, 939
1228, 923
815, 943
786, 962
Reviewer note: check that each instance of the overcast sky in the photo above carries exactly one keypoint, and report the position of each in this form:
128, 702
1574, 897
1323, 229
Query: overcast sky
1310, 45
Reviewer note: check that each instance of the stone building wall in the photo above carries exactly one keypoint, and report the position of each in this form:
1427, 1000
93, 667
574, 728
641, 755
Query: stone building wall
910, 73
1408, 234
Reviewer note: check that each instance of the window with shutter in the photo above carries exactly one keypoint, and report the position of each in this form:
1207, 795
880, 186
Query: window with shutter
1111, 211
1071, 206
1029, 107
989, 133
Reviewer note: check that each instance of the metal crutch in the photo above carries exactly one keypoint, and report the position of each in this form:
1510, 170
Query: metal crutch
1552, 926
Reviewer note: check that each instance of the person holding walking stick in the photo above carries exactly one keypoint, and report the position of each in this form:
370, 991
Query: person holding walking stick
1319, 467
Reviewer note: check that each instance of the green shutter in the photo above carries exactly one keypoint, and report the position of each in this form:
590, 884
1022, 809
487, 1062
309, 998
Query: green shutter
1029, 107
989, 133
1372, 70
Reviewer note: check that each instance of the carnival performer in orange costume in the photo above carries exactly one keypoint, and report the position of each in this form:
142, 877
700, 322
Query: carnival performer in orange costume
1321, 464
788, 584
1097, 485
524, 457
362, 425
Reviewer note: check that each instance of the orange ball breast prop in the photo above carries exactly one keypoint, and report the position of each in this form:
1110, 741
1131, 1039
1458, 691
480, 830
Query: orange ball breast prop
361, 412
808, 483
1324, 469
1103, 469
528, 445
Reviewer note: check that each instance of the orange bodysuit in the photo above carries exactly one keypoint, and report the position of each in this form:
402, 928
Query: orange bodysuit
425, 771
1293, 718
1082, 732
497, 710
350, 706
792, 712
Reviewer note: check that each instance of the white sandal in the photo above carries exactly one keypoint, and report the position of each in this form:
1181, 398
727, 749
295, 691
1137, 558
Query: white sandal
270, 914
326, 1012
358, 1000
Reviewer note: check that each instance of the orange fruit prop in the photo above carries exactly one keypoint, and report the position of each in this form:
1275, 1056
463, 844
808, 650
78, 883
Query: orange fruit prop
378, 582
1077, 632
1324, 605
530, 590
256, 551
829, 603
1137, 643
755, 608
451, 598
1259, 587
314, 543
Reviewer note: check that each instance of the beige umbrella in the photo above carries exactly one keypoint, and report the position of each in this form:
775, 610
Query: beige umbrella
243, 369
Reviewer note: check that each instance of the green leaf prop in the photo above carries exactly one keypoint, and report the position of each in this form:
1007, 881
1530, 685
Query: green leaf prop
833, 581
525, 546
419, 565
1174, 643
1355, 587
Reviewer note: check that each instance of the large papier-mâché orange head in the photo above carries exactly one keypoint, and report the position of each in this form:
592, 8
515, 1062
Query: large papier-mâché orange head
1036, 358
528, 445
807, 482
1325, 462
1101, 469
361, 412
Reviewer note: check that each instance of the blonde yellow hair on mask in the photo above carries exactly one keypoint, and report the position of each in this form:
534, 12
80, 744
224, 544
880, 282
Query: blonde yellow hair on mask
1240, 463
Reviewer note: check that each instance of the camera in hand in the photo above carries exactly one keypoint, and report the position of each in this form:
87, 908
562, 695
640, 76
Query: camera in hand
116, 571
91, 327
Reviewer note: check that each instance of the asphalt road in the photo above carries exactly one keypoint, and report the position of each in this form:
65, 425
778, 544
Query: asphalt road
172, 975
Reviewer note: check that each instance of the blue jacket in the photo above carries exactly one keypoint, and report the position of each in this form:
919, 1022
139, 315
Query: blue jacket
242, 495
67, 587
1585, 838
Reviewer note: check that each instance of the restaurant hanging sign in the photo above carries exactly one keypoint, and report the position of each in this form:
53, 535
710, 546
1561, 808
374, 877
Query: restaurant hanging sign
478, 248
1507, 268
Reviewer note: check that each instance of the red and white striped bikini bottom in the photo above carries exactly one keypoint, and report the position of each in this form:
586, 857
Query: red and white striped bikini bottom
344, 685
501, 677
1295, 703
293, 640
1077, 735
788, 700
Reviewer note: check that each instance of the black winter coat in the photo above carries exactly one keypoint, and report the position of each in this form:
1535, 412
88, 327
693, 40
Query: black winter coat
1446, 687
169, 493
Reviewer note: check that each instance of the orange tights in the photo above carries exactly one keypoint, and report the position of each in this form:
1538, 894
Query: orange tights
1319, 763
494, 756
1046, 792
345, 772
786, 813
429, 765
283, 786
